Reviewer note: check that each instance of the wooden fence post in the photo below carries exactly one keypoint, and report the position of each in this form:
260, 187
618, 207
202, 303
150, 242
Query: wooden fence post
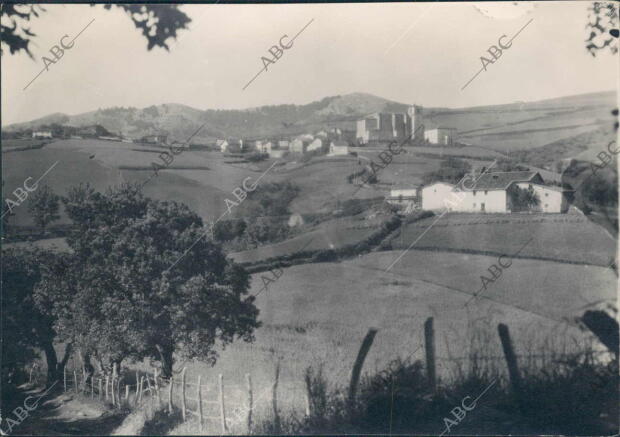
137, 385
248, 380
157, 387
183, 404
118, 391
112, 384
429, 339
92, 386
100, 390
199, 393
359, 363
170, 395
307, 393
75, 381
64, 377
30, 376
222, 409
141, 388
148, 383
511, 361
126, 392
274, 399
107, 377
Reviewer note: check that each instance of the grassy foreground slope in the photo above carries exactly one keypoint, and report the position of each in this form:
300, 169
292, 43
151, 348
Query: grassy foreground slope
319, 313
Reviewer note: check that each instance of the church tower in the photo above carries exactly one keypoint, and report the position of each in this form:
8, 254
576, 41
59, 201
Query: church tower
416, 123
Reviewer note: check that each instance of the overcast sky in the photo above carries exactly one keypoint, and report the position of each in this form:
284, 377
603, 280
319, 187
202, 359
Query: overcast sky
412, 53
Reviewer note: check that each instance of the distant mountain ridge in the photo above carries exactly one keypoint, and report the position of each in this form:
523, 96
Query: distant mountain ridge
180, 121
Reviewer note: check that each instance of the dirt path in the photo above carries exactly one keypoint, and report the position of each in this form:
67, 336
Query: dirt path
60, 413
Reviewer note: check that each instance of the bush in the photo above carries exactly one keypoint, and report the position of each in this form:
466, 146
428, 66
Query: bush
324, 256
256, 157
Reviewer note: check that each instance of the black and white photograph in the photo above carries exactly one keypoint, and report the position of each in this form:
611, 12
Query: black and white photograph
304, 218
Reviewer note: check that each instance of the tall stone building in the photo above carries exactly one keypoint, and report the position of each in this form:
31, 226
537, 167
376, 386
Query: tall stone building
385, 126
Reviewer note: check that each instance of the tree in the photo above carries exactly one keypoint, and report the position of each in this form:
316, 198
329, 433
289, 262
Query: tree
523, 199
157, 22
451, 171
601, 190
24, 326
43, 206
227, 230
143, 282
602, 24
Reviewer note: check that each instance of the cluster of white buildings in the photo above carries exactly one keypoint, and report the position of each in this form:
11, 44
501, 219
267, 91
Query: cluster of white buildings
489, 192
322, 141
392, 126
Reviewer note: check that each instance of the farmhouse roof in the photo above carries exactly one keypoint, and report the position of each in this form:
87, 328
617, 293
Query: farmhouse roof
500, 180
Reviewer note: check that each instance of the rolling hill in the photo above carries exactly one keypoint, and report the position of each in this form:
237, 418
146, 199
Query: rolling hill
507, 127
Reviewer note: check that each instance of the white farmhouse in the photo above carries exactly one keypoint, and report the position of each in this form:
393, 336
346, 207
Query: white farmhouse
443, 136
316, 144
339, 148
490, 192
42, 134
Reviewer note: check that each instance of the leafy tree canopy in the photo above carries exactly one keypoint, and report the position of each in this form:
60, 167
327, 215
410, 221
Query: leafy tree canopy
144, 282
157, 22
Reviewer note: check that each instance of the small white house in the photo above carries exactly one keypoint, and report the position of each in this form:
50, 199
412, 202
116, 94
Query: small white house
437, 196
283, 144
405, 197
42, 134
443, 136
264, 147
222, 144
339, 148
316, 144
299, 146
277, 153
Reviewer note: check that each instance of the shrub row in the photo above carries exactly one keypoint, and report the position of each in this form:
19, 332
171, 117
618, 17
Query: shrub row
328, 255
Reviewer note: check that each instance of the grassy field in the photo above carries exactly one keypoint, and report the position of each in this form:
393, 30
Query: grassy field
319, 313
107, 163
563, 237
328, 235
10, 145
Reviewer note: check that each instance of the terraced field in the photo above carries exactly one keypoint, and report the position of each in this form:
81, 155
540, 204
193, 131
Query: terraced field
561, 237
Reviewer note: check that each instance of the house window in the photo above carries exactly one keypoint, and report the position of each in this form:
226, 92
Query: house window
486, 192
474, 192
529, 186
546, 194
546, 205
474, 204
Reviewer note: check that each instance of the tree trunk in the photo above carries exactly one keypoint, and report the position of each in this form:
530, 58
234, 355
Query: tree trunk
53, 372
165, 356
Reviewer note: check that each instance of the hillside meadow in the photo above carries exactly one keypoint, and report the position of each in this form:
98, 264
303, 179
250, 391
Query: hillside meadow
318, 314
201, 180
562, 237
